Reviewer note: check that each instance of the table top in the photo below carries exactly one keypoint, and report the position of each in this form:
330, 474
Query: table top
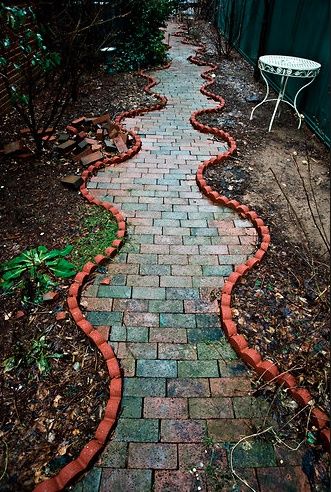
290, 66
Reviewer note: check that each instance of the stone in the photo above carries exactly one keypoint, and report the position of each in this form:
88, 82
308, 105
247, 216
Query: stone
91, 158
72, 181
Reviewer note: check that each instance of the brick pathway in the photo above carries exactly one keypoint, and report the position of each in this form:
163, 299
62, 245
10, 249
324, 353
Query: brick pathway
182, 381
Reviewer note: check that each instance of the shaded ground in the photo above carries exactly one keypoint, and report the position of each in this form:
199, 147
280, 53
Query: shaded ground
282, 307
51, 417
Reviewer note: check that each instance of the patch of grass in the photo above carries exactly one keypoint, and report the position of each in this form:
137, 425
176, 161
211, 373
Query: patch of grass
97, 232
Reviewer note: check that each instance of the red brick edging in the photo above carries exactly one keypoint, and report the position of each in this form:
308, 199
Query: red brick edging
266, 369
92, 448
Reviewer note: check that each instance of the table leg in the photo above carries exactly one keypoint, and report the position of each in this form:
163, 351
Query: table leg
265, 97
295, 101
283, 84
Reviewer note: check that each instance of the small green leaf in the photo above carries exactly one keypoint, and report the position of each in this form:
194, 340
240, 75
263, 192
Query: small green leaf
9, 364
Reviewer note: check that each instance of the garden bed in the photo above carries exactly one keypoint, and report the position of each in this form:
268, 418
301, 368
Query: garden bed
282, 306
54, 413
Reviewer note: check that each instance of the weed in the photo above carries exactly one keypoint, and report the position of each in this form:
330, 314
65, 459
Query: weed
97, 233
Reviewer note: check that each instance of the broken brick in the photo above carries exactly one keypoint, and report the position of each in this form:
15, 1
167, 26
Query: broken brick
101, 119
79, 156
61, 315
120, 144
13, 147
99, 134
50, 296
89, 159
72, 181
72, 129
67, 146
78, 121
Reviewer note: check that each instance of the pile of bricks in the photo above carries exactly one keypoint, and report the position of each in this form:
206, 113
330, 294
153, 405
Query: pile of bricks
90, 139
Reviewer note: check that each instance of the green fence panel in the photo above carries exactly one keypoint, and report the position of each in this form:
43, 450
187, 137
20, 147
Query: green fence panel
295, 28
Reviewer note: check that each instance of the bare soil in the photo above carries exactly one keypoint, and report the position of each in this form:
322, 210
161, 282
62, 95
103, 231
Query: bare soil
54, 414
282, 306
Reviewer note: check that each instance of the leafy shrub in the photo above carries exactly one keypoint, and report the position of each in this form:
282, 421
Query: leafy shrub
34, 272
140, 43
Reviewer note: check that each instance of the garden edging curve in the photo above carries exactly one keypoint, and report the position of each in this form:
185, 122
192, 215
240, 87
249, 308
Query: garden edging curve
94, 446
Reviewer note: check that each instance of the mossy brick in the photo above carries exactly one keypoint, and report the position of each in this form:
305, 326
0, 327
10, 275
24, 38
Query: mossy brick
114, 291
168, 335
157, 368
204, 231
198, 369
216, 350
128, 367
229, 369
90, 481
165, 306
174, 480
137, 334
137, 430
123, 480
256, 453
131, 407
179, 351
199, 240
232, 386
217, 271
286, 479
137, 350
207, 320
225, 430
148, 293
100, 318
155, 269
183, 430
118, 279
247, 407
117, 333
154, 456
165, 408
144, 387
210, 408
177, 320
114, 455
200, 335
188, 387
174, 293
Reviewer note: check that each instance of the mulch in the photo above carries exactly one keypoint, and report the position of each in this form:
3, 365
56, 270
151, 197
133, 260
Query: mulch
50, 415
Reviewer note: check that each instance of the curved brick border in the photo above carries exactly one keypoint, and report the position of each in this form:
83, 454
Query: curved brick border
92, 448
266, 369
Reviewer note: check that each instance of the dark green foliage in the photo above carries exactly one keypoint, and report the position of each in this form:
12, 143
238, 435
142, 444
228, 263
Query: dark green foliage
139, 40
34, 271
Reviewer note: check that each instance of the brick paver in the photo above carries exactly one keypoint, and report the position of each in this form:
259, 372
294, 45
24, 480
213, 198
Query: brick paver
183, 382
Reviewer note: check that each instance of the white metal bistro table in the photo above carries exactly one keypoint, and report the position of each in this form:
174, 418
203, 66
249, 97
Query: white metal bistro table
285, 67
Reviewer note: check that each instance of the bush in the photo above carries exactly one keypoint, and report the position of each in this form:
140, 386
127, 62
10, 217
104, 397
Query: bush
139, 40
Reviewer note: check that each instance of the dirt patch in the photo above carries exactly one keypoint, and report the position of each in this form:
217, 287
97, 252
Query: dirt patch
282, 306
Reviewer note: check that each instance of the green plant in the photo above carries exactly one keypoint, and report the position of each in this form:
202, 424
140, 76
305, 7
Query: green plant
98, 232
140, 43
34, 271
38, 354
